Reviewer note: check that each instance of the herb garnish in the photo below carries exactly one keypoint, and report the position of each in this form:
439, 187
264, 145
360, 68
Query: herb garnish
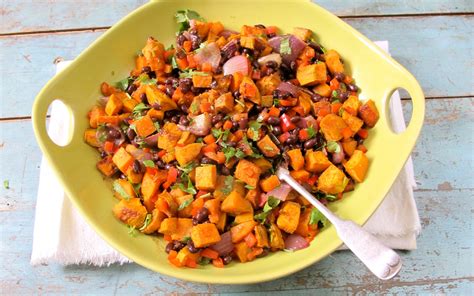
120, 190
285, 47
184, 16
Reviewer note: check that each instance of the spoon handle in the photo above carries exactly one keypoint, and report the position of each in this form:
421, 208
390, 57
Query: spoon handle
381, 260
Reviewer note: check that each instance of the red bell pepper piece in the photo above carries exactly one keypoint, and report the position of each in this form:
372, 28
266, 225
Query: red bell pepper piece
171, 178
286, 124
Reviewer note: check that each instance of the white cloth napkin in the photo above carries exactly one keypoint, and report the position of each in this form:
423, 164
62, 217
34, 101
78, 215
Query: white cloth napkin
62, 236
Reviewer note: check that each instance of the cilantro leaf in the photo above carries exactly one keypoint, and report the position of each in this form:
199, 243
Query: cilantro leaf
255, 127
184, 16
333, 147
6, 184
174, 63
147, 222
230, 152
219, 133
204, 261
311, 132
120, 190
271, 203
184, 204
285, 47
194, 107
190, 74
187, 168
330, 197
132, 231
249, 187
123, 84
228, 185
149, 163
138, 109
261, 216
145, 80
316, 217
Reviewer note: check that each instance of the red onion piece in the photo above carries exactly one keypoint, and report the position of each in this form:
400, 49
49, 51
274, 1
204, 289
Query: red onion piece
262, 200
302, 123
310, 121
187, 35
296, 46
225, 245
236, 64
140, 154
201, 125
339, 156
209, 54
281, 192
152, 140
103, 101
295, 242
289, 88
276, 57
227, 33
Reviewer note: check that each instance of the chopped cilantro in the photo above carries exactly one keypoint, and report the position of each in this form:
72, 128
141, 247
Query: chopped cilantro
330, 197
271, 203
149, 163
285, 47
120, 190
249, 187
194, 107
187, 185
228, 185
311, 132
102, 133
147, 222
335, 95
316, 217
220, 134
204, 261
123, 84
174, 64
230, 152
333, 147
145, 80
138, 109
157, 125
184, 16
132, 231
6, 184
184, 204
190, 74
255, 127
261, 216
187, 168
186, 239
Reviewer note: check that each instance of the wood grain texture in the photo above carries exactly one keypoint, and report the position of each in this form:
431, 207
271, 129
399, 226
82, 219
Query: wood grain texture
442, 69
64, 15
442, 263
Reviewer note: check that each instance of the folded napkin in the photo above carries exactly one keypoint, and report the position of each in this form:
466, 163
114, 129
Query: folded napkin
61, 234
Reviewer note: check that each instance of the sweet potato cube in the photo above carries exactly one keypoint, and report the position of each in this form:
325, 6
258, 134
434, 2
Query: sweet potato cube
156, 218
357, 166
248, 172
268, 84
369, 113
241, 218
351, 105
296, 159
122, 159
302, 33
312, 74
90, 136
184, 254
276, 239
130, 212
270, 183
268, 148
224, 103
114, 105
242, 251
104, 119
354, 123
156, 114
145, 126
300, 175
133, 176
182, 200
172, 206
204, 235
349, 147
106, 166
332, 180
262, 236
236, 204
253, 196
263, 164
316, 161
202, 81
124, 187
289, 216
322, 89
247, 42
331, 126
222, 221
129, 104
249, 91
186, 154
206, 177
177, 228
214, 207
333, 61
303, 225
186, 138
169, 136
94, 114
156, 96
239, 231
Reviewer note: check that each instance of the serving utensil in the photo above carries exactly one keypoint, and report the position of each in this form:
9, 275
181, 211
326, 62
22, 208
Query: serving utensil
379, 259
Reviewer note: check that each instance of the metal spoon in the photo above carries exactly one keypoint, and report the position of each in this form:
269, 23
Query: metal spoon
381, 260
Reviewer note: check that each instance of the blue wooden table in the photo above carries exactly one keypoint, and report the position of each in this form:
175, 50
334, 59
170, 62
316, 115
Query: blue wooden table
432, 38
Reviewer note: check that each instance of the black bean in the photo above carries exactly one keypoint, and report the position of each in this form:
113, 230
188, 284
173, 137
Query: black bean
316, 97
276, 130
185, 84
243, 123
276, 94
273, 120
310, 143
214, 84
131, 134
169, 247
339, 76
295, 131
247, 51
180, 39
206, 160
264, 253
352, 87
225, 171
316, 47
216, 118
180, 54
343, 96
184, 108
295, 119
123, 176
227, 259
161, 164
271, 64
113, 134
283, 109
169, 90
202, 215
183, 120
236, 94
143, 98
235, 124
268, 71
175, 119
177, 245
136, 166
146, 69
195, 90
103, 154
195, 42
231, 144
293, 66
168, 166
192, 248
131, 88
291, 139
260, 26
271, 35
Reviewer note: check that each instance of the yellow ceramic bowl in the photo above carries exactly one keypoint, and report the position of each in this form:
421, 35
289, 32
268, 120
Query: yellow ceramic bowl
112, 56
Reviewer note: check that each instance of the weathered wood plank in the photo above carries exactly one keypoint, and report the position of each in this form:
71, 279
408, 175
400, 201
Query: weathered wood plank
28, 16
439, 75
440, 265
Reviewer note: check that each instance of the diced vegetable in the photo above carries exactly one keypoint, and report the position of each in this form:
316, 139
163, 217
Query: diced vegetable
369, 113
204, 235
239, 231
289, 216
225, 103
130, 212
114, 104
268, 148
206, 177
270, 183
333, 61
122, 159
332, 180
312, 74
249, 91
188, 153
316, 161
156, 96
296, 159
295, 242
357, 166
248, 172
331, 126
236, 204
144, 126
